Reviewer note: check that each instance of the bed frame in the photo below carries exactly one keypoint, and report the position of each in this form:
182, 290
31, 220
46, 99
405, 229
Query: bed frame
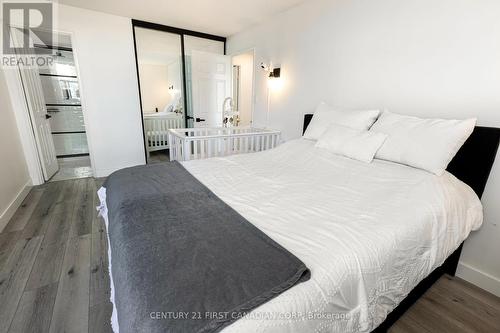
472, 165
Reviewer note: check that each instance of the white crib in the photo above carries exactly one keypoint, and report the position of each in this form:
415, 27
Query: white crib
156, 129
199, 143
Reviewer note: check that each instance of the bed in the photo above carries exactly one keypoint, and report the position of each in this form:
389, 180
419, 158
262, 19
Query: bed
156, 126
377, 236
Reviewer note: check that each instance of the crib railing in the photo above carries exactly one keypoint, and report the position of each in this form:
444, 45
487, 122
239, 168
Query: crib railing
198, 143
156, 131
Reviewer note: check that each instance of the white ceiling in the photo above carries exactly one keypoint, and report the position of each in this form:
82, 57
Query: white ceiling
219, 17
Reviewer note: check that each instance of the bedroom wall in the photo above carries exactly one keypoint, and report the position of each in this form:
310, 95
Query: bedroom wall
421, 57
14, 176
104, 50
154, 87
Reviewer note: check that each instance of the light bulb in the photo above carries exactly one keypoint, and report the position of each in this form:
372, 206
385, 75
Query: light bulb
274, 83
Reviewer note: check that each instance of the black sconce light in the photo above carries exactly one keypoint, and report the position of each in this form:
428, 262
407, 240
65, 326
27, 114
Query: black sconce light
275, 73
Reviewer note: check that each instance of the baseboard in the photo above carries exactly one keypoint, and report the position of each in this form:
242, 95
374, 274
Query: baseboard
481, 279
14, 205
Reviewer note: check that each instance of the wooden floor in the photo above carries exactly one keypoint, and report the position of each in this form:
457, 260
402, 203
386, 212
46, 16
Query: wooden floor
54, 273
53, 262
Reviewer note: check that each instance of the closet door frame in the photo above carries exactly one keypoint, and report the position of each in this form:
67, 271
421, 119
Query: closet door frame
181, 33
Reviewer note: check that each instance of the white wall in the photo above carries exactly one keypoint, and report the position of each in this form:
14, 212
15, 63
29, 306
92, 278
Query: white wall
14, 176
245, 61
154, 87
436, 58
104, 50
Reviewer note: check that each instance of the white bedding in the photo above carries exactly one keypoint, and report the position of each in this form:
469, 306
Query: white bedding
368, 232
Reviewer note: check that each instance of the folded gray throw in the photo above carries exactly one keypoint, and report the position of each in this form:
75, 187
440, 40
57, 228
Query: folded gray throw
183, 260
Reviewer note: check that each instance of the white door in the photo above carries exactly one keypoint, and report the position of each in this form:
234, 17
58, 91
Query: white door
211, 83
39, 117
40, 120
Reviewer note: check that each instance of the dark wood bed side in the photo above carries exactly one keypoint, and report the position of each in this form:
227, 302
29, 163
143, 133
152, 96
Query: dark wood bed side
472, 165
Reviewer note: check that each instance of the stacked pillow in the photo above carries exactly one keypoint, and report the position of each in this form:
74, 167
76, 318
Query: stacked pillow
356, 144
345, 132
324, 116
428, 144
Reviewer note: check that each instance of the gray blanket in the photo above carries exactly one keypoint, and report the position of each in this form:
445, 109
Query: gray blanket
183, 260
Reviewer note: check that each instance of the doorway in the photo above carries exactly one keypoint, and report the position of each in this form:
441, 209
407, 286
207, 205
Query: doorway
184, 77
53, 99
243, 87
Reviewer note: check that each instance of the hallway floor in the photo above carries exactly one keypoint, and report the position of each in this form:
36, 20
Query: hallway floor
73, 168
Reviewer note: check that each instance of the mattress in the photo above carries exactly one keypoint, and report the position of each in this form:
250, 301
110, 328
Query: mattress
369, 233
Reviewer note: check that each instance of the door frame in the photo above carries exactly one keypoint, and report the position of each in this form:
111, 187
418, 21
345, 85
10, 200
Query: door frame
24, 122
178, 31
254, 54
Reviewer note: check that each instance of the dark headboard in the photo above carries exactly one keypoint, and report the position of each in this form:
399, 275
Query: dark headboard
474, 160
307, 120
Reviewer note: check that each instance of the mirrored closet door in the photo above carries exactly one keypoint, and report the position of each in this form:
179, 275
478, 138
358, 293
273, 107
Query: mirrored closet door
184, 78
159, 68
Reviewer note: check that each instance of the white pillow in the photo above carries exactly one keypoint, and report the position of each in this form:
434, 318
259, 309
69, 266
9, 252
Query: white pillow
360, 145
428, 144
325, 115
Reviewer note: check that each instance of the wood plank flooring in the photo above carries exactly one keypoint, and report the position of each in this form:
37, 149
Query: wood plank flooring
54, 273
53, 262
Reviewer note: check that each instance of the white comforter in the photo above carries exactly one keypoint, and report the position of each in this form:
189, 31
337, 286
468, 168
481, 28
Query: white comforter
368, 232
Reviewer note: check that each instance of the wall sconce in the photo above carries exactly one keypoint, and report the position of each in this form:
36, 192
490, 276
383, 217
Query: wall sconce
275, 73
274, 80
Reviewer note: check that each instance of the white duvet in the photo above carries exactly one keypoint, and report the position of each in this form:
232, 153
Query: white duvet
368, 232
